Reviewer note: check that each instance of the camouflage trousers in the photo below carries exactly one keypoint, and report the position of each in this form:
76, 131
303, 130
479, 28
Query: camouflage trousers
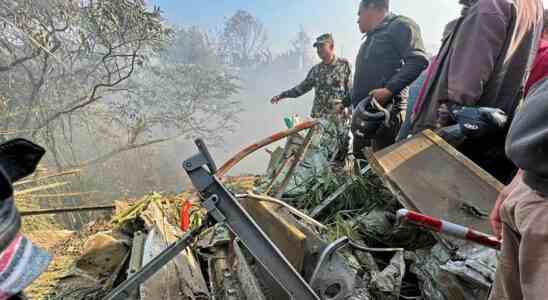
334, 135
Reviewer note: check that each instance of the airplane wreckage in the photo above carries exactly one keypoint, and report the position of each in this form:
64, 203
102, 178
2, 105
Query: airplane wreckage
409, 223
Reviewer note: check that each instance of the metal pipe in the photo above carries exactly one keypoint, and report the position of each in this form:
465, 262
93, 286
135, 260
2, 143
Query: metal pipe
448, 228
291, 209
227, 166
326, 253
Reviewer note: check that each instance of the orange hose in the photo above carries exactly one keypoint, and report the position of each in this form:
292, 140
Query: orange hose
260, 144
229, 164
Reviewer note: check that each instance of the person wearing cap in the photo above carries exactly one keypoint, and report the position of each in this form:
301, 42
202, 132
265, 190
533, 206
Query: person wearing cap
521, 213
391, 58
331, 79
483, 63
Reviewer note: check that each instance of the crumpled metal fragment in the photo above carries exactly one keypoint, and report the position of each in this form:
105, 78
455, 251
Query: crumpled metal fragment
387, 283
315, 161
361, 294
479, 266
438, 284
378, 231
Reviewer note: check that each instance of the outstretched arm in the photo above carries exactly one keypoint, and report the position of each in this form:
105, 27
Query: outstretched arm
303, 87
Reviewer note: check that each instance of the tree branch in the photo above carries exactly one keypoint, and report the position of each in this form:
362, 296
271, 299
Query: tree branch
105, 157
92, 98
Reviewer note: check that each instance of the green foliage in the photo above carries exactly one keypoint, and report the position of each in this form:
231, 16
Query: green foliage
136, 209
365, 193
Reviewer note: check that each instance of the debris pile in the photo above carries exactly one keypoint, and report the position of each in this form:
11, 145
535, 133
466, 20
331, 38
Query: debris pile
353, 248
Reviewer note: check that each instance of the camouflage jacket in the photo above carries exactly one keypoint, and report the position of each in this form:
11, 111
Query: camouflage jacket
330, 81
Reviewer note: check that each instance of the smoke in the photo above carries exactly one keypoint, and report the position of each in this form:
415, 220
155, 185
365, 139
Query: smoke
258, 118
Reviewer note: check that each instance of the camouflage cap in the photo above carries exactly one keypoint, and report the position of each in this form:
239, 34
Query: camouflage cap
324, 38
375, 3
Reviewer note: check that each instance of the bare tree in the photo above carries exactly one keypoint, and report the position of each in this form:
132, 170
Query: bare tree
297, 59
182, 93
302, 46
94, 79
60, 57
243, 42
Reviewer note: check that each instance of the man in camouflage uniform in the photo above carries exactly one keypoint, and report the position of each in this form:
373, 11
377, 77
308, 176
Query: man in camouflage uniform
332, 81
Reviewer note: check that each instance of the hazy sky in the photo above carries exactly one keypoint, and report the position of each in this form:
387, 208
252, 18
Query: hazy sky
284, 17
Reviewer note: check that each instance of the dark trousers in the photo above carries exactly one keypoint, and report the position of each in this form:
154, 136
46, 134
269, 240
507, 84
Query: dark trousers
19, 296
489, 153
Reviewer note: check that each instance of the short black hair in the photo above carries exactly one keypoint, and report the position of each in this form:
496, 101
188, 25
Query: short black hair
376, 3
545, 20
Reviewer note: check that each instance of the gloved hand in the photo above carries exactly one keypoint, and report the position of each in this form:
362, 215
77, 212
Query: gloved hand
446, 117
19, 158
452, 134
471, 122
479, 122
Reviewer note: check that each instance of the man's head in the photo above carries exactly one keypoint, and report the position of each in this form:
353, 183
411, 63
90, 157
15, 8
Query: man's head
325, 46
545, 29
371, 13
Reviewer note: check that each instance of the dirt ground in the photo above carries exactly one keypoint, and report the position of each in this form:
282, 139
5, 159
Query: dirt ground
65, 246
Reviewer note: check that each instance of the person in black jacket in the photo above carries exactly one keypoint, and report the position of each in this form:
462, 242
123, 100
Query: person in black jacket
390, 59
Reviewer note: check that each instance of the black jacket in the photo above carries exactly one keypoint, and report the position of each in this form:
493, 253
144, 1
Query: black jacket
527, 141
393, 56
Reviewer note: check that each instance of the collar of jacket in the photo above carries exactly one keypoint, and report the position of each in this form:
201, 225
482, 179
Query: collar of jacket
334, 61
385, 22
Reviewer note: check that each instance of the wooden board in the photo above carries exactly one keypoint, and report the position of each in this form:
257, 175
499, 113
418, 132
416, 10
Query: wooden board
289, 239
431, 177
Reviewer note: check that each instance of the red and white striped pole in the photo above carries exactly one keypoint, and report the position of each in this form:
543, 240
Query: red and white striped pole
448, 228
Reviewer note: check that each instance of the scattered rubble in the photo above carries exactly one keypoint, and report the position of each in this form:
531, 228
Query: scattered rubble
359, 252
102, 255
